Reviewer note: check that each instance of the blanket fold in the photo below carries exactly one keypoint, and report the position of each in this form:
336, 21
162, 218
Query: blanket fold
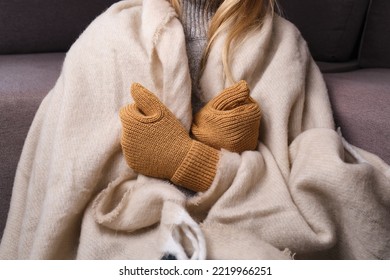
75, 197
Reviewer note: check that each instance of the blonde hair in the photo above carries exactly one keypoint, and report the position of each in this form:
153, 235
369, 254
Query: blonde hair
238, 18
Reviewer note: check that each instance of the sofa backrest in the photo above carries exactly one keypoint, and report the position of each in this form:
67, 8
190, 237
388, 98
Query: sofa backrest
343, 30
28, 26
375, 46
332, 28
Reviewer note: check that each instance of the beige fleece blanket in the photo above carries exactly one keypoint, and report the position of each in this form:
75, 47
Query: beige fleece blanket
301, 191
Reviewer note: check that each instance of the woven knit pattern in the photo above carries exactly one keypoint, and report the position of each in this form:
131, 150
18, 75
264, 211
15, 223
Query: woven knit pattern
198, 168
156, 144
231, 120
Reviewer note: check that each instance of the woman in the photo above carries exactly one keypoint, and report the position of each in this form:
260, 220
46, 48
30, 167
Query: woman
289, 184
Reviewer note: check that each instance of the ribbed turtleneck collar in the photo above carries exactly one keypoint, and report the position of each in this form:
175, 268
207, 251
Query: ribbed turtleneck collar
196, 15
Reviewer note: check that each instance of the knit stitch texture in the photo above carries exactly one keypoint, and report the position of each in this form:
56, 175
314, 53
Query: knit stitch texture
157, 145
231, 120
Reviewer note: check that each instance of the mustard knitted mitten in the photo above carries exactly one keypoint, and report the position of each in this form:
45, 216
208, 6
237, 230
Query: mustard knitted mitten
155, 144
230, 120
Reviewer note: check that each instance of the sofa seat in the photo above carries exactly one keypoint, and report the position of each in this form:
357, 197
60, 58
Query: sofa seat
361, 107
24, 82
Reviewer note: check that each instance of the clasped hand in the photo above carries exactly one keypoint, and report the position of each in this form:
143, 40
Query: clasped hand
156, 144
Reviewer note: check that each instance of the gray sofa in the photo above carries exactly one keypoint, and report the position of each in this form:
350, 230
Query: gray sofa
349, 39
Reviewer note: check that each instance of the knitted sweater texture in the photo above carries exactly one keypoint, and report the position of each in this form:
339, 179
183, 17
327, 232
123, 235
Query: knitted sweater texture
196, 16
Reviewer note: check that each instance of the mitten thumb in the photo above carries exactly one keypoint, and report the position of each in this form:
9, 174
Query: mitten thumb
146, 103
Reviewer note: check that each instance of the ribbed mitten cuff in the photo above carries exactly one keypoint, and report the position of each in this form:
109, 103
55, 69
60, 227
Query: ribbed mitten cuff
198, 169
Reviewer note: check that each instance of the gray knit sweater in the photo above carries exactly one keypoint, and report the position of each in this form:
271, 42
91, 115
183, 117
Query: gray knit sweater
196, 16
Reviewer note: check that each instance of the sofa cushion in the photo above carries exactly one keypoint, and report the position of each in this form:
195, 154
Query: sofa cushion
45, 25
375, 49
331, 27
360, 101
25, 80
